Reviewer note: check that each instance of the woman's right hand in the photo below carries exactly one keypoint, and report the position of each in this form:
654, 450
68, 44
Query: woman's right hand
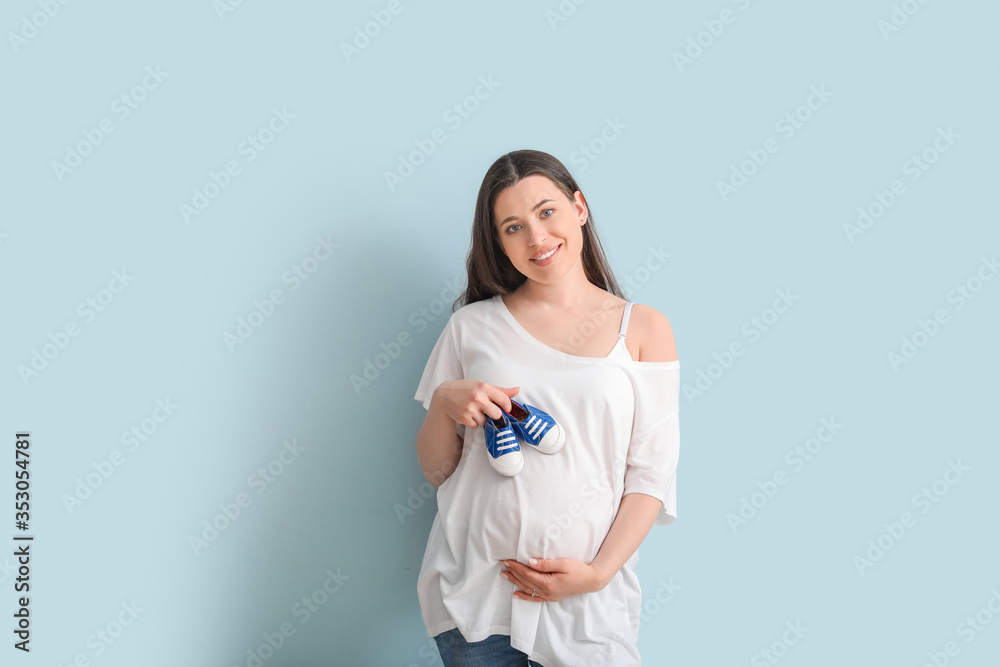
470, 402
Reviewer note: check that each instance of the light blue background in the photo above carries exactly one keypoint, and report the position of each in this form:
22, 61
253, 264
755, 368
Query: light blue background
336, 505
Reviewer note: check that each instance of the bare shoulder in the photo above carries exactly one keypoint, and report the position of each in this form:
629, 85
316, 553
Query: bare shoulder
656, 336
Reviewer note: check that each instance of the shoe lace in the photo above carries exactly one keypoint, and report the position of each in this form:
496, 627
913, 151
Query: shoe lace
504, 435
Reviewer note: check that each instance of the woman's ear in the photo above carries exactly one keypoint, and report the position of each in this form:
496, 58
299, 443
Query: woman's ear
581, 206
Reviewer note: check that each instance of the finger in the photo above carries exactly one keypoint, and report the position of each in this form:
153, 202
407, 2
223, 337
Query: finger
525, 591
545, 564
532, 569
500, 402
525, 587
515, 565
523, 575
467, 419
492, 410
514, 579
502, 396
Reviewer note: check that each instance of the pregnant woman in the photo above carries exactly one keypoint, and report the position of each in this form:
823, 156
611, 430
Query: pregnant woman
551, 434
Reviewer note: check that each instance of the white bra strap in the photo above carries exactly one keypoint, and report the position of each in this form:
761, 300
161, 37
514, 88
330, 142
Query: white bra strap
628, 307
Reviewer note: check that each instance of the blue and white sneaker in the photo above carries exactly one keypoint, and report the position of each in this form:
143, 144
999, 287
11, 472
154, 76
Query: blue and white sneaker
536, 427
501, 443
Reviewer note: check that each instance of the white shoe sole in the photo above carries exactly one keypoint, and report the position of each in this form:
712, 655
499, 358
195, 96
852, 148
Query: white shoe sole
553, 440
507, 464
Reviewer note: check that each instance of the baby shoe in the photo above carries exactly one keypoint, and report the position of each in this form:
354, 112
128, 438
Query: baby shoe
536, 427
501, 444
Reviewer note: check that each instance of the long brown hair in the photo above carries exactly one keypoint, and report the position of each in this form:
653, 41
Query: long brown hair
489, 270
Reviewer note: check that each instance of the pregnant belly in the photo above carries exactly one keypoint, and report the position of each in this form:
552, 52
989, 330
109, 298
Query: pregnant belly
572, 524
558, 506
553, 521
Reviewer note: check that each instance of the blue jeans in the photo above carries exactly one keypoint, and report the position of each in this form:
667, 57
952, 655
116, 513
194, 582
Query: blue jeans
494, 651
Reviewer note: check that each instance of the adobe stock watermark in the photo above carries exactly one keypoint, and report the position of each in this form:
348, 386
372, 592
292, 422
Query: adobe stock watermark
223, 7
924, 500
968, 629
589, 152
31, 24
562, 12
263, 309
249, 149
373, 367
88, 309
703, 39
364, 34
428, 652
133, 438
962, 294
797, 457
303, 611
656, 259
592, 490
899, 17
606, 654
230, 511
653, 604
107, 635
122, 107
788, 125
455, 116
778, 649
752, 330
915, 166
416, 498
581, 332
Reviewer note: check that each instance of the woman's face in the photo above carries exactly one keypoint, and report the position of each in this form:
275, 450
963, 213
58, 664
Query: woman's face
540, 230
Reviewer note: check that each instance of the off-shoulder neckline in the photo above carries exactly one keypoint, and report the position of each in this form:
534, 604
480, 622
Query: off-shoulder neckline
610, 358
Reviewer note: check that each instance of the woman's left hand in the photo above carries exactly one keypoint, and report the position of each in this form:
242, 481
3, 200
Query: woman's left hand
552, 579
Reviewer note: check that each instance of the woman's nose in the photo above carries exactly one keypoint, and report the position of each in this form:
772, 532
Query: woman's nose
536, 234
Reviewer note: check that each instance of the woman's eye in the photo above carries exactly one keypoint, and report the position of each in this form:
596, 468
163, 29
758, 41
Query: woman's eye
546, 211
512, 228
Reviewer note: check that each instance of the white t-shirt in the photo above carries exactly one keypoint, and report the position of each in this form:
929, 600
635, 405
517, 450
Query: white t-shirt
622, 436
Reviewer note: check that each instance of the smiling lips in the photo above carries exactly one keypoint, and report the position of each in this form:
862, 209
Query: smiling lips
547, 257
